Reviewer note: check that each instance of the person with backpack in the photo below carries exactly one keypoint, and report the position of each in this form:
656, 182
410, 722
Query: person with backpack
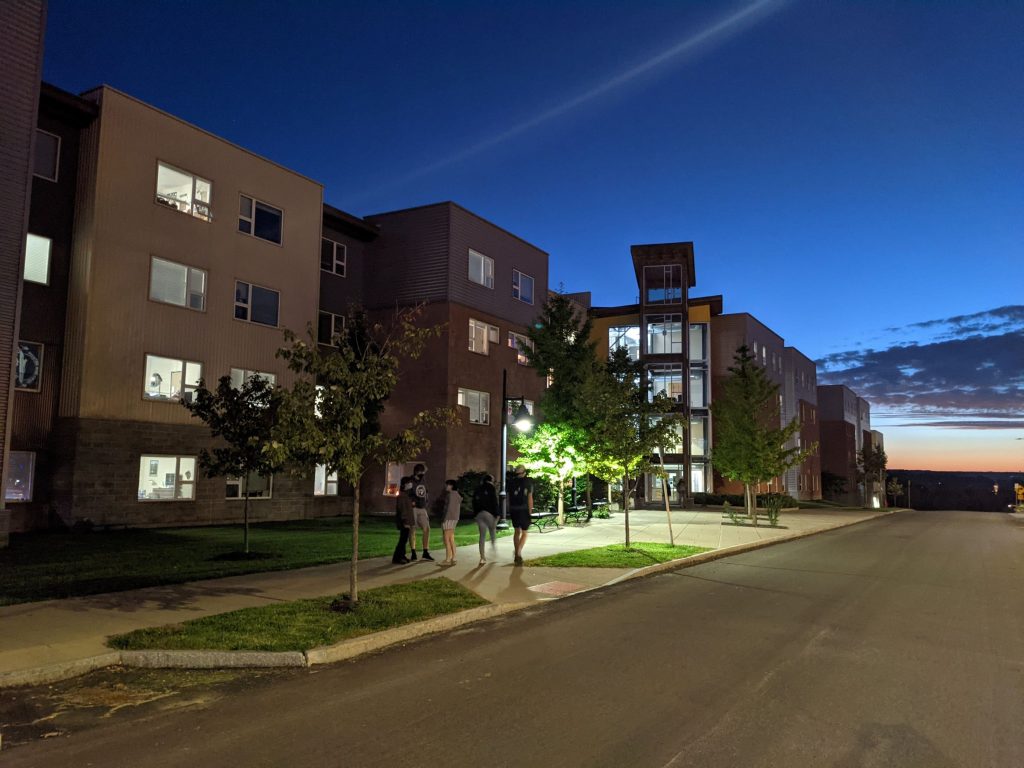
485, 507
520, 507
452, 509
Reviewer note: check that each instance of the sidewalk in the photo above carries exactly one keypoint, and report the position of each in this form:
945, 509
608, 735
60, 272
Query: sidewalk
59, 638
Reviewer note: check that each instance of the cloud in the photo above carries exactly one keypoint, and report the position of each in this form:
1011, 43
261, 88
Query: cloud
974, 380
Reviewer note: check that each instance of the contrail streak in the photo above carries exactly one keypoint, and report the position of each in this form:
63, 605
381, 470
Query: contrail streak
710, 33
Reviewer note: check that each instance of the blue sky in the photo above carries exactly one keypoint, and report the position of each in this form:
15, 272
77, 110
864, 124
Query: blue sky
849, 173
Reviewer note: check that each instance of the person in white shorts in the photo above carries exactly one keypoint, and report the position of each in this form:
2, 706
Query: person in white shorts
452, 510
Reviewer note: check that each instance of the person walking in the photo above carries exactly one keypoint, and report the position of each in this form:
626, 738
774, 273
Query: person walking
520, 507
452, 509
421, 517
404, 519
485, 507
680, 489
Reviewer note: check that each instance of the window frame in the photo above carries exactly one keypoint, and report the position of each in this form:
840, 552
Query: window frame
481, 406
486, 269
56, 159
179, 483
336, 245
327, 482
666, 323
672, 292
517, 288
514, 339
207, 217
251, 219
188, 281
241, 483
322, 313
31, 478
669, 371
185, 388
39, 366
49, 259
491, 335
248, 373
247, 305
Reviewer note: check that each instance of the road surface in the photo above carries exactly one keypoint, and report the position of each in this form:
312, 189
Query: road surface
897, 642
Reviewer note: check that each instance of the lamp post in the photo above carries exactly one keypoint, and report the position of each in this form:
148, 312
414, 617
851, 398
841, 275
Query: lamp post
522, 421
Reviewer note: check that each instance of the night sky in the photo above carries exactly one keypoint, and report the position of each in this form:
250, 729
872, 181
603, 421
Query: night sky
852, 174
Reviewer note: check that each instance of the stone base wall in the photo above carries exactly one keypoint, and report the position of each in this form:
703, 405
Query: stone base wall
96, 477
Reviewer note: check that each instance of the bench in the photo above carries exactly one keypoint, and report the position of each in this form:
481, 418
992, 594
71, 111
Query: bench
577, 514
543, 519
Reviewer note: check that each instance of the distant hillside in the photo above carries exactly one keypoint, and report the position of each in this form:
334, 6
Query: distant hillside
957, 490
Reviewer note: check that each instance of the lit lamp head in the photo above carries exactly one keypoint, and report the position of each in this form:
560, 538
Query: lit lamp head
522, 420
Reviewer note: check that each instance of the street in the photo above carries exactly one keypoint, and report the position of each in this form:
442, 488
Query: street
896, 642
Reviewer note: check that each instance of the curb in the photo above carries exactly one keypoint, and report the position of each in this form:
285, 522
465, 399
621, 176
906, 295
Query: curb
357, 646
736, 549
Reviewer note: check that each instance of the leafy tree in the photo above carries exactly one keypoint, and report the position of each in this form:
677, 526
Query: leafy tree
561, 348
871, 464
244, 420
894, 488
750, 446
551, 450
832, 485
331, 415
628, 424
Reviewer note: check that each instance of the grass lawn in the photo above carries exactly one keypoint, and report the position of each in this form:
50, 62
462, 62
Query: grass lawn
40, 566
641, 553
305, 624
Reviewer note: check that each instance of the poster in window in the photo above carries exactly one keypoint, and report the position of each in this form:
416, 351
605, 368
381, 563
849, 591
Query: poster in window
29, 367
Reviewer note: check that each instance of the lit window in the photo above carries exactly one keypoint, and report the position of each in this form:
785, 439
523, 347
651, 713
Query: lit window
183, 192
520, 344
167, 478
328, 326
663, 284
259, 219
177, 284
37, 259
47, 157
255, 304
21, 467
667, 379
332, 256
481, 336
28, 368
481, 269
324, 483
394, 474
241, 375
171, 379
627, 337
522, 287
698, 435
665, 335
698, 388
253, 486
479, 404
698, 341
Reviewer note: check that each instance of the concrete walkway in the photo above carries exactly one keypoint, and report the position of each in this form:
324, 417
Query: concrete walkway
57, 638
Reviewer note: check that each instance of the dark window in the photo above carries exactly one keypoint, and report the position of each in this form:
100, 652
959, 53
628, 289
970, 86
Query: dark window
259, 219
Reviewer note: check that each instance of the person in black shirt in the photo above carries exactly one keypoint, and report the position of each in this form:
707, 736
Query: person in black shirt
485, 507
520, 507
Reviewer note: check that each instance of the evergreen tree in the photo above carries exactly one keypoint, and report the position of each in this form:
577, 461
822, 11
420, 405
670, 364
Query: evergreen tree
750, 446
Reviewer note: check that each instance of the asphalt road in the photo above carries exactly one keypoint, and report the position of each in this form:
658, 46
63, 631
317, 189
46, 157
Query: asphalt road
897, 642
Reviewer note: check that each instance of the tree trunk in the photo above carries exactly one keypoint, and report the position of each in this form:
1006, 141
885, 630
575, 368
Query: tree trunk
625, 504
751, 502
245, 522
353, 570
561, 503
668, 508
590, 501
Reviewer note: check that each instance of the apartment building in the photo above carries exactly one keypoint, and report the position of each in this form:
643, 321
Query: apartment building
800, 401
840, 417
188, 258
21, 53
668, 332
485, 286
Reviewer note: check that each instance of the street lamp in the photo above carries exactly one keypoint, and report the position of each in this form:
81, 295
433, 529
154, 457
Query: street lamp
521, 420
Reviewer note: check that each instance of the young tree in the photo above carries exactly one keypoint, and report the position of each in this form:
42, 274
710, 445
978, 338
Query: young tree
894, 488
750, 446
628, 424
871, 465
561, 348
551, 450
331, 415
244, 420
